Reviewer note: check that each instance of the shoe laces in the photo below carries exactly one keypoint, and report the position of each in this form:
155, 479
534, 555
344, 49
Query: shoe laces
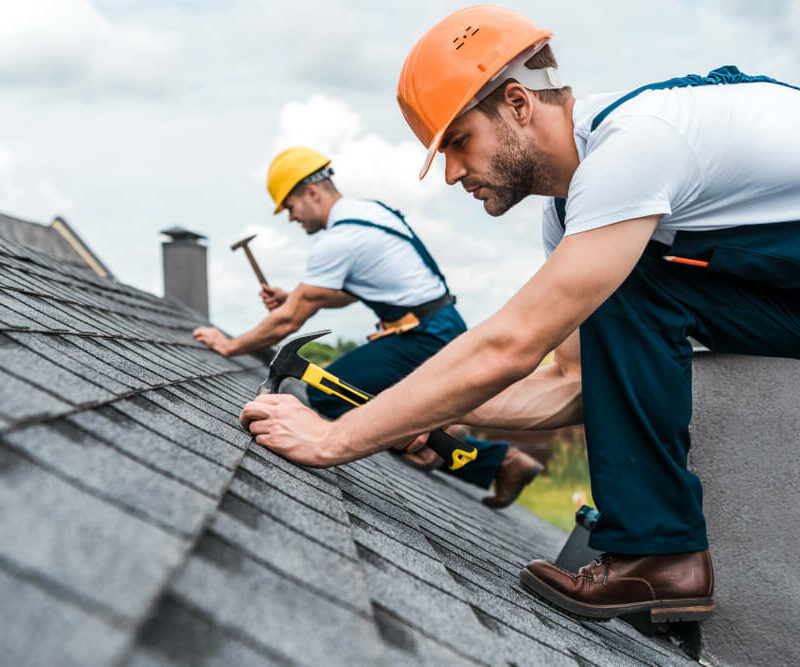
604, 560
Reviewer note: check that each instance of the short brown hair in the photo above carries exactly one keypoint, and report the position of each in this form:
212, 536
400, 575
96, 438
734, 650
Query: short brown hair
541, 59
300, 189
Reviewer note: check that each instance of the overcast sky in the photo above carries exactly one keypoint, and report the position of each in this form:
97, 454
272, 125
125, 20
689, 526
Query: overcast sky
130, 116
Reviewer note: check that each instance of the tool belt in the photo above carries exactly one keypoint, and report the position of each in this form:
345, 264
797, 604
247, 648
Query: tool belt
413, 318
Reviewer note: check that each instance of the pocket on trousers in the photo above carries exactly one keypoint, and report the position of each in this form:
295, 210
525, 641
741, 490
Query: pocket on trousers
773, 270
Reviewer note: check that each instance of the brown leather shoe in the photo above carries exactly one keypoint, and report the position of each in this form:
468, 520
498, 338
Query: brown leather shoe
516, 471
672, 587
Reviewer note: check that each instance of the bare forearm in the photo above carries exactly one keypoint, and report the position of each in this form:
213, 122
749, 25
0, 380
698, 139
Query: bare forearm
269, 331
546, 399
466, 373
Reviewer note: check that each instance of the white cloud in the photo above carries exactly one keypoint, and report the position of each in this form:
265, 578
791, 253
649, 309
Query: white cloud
28, 194
366, 164
69, 44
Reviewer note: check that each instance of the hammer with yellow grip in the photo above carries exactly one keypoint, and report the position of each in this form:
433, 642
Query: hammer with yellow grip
288, 363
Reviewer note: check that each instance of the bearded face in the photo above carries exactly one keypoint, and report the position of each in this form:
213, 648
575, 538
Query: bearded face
513, 170
495, 161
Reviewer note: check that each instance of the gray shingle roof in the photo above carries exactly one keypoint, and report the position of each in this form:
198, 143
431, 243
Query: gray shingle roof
52, 241
140, 525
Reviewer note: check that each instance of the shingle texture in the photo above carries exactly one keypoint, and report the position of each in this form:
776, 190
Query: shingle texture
140, 525
42, 237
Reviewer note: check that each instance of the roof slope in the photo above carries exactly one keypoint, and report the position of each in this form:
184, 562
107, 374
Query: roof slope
57, 240
140, 525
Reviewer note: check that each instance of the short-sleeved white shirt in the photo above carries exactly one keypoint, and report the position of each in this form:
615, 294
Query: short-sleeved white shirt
705, 158
369, 263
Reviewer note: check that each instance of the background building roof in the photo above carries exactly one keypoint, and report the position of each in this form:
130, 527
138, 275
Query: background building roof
57, 240
140, 525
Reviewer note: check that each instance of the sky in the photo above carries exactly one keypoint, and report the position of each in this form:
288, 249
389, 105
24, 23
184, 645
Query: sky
130, 116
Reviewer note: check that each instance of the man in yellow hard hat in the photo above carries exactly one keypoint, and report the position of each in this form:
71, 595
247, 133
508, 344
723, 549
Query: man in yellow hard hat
672, 211
365, 251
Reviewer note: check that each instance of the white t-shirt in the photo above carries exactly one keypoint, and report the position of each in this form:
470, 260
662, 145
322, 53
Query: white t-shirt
705, 157
370, 263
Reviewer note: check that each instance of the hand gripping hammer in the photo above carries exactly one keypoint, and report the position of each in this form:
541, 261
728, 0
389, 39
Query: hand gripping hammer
288, 363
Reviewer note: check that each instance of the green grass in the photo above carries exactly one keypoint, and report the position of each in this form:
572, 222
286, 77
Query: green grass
556, 495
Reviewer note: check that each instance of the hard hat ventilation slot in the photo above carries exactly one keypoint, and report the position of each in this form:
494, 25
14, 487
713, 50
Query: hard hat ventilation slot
460, 41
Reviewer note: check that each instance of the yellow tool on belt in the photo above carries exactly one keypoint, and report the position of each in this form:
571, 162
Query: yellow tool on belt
288, 363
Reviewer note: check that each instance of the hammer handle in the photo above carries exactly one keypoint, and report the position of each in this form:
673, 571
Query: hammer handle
261, 279
454, 452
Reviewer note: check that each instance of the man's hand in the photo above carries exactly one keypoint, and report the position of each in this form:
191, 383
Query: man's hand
280, 422
272, 296
414, 445
283, 424
214, 338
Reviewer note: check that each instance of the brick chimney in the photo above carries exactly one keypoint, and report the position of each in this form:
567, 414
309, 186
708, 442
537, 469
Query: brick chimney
185, 269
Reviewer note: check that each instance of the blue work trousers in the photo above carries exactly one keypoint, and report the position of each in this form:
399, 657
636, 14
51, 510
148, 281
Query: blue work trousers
379, 364
636, 364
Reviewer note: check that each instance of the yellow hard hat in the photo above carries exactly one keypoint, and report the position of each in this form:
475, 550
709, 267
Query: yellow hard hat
289, 168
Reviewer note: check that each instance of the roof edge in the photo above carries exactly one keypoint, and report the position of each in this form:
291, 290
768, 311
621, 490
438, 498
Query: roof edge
77, 244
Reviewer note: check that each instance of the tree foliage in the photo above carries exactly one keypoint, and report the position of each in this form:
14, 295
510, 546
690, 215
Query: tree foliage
323, 354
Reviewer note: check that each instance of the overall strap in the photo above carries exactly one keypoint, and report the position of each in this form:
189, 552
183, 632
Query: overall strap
561, 210
412, 238
722, 75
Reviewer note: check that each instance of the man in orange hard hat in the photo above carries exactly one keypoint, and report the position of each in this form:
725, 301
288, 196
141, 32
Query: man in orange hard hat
673, 210
362, 250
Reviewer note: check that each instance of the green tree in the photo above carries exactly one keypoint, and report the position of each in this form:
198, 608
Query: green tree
324, 354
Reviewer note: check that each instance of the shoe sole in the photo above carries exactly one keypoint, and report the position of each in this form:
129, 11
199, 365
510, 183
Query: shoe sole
661, 611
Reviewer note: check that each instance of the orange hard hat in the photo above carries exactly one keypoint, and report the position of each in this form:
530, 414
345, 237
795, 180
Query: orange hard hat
454, 60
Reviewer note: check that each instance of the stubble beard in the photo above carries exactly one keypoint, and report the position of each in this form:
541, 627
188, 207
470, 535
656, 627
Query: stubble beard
515, 167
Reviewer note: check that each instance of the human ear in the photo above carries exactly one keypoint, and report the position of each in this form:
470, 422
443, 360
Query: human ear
313, 192
518, 100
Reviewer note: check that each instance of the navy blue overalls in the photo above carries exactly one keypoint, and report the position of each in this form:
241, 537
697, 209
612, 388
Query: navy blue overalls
636, 361
381, 363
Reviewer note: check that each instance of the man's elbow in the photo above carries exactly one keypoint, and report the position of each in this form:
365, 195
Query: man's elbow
508, 360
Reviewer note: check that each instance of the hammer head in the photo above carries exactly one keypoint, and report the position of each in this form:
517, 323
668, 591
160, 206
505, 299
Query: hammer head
288, 363
244, 241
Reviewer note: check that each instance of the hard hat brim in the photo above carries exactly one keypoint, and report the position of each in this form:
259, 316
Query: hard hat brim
434, 146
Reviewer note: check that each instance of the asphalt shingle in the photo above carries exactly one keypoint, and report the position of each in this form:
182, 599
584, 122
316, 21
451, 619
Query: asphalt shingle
111, 425
21, 401
238, 592
115, 475
100, 553
39, 626
179, 430
182, 636
141, 525
36, 368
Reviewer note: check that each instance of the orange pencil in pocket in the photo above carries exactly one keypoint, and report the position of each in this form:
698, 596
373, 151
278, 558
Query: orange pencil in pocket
685, 260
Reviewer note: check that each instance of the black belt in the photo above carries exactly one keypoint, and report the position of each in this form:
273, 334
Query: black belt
431, 307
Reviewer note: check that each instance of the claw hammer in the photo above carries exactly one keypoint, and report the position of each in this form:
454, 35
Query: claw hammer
289, 363
243, 244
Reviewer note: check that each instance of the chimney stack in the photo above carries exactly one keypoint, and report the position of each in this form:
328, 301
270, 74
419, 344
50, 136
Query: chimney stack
185, 272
